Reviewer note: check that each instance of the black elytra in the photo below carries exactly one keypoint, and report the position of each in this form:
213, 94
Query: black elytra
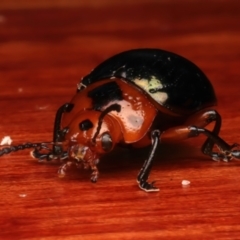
187, 87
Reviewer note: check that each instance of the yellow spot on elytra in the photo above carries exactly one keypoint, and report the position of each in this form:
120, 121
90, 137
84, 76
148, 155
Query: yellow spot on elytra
152, 83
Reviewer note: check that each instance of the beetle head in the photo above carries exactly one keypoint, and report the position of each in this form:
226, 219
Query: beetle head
93, 133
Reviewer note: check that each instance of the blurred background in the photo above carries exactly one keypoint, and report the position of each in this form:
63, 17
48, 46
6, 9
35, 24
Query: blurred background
46, 47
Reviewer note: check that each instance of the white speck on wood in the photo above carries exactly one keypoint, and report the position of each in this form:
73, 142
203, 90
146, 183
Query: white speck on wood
22, 195
185, 182
43, 107
6, 141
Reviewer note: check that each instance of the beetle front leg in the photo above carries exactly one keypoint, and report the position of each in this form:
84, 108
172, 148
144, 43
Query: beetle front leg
63, 169
58, 135
42, 154
145, 171
95, 172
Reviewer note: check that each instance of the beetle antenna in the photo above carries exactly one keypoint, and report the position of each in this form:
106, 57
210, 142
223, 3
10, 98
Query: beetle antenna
43, 145
114, 107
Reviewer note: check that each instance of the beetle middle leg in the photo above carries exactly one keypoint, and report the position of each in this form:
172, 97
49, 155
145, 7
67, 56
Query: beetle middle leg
145, 171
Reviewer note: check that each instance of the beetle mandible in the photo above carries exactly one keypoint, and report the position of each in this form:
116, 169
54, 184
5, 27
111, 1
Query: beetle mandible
138, 97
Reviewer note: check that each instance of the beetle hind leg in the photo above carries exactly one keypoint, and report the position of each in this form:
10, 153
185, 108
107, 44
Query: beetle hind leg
227, 152
207, 147
145, 170
194, 126
202, 121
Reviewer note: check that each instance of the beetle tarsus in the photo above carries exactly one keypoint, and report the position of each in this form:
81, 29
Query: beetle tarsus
148, 187
43, 152
220, 157
47, 156
236, 154
40, 156
95, 172
63, 169
94, 177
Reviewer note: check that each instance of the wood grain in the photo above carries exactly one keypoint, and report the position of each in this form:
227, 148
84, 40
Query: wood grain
44, 51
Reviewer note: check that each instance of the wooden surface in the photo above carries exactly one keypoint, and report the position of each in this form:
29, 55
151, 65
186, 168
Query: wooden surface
44, 51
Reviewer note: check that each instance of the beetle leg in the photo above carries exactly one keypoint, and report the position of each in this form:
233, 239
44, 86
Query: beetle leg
207, 147
43, 155
95, 173
62, 169
58, 134
203, 119
226, 151
145, 170
184, 132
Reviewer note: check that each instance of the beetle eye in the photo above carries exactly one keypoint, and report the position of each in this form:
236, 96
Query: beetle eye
106, 142
85, 125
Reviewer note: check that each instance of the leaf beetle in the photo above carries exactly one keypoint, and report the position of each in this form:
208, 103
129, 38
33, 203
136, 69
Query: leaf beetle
138, 97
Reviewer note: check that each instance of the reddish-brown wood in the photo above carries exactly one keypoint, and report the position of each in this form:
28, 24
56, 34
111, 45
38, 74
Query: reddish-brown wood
44, 52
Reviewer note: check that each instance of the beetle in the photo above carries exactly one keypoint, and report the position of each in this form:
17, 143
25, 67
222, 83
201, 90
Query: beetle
138, 97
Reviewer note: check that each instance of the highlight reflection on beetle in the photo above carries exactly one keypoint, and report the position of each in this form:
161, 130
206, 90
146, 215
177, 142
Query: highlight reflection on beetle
139, 97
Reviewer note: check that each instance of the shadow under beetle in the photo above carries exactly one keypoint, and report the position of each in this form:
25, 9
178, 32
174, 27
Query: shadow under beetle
139, 97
